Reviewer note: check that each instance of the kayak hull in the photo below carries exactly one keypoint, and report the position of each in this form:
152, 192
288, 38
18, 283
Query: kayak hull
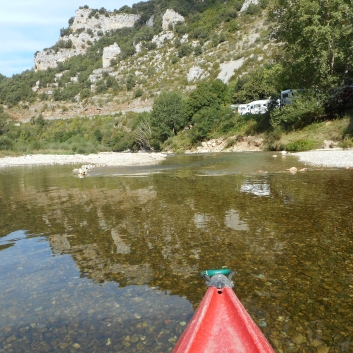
221, 324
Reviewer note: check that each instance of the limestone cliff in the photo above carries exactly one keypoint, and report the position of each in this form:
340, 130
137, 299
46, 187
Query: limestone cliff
85, 30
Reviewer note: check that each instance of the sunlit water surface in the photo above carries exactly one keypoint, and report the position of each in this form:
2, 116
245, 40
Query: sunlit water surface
111, 262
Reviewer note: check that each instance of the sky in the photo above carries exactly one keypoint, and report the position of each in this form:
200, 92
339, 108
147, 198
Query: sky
27, 26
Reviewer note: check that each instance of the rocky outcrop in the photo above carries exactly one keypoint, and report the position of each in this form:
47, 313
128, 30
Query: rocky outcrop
110, 53
171, 17
161, 38
196, 73
230, 144
86, 29
247, 3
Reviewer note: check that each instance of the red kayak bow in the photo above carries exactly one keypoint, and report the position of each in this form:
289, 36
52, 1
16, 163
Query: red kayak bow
221, 324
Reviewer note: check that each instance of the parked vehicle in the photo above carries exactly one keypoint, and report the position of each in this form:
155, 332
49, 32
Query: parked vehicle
256, 107
238, 108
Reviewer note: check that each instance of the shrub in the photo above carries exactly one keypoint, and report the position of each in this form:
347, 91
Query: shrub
130, 82
5, 143
174, 59
253, 9
184, 50
300, 145
198, 50
304, 110
138, 93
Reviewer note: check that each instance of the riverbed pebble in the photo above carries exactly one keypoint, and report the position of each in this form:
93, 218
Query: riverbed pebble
99, 159
327, 158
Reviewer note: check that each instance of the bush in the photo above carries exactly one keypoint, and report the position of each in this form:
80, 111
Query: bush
174, 59
300, 145
138, 93
253, 9
5, 143
184, 50
198, 50
130, 82
304, 110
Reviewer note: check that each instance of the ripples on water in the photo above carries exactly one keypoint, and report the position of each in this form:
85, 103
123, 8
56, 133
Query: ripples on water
111, 263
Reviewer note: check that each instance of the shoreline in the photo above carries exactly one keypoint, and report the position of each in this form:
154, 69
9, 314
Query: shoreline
336, 158
98, 159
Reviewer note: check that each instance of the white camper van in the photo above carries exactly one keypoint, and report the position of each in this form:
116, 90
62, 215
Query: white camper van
256, 107
238, 108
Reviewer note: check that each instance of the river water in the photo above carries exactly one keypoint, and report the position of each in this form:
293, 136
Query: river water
111, 262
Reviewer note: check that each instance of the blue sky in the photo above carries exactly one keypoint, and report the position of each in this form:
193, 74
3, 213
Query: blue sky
30, 25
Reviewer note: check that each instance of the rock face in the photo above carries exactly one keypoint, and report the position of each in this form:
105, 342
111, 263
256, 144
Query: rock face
110, 53
86, 29
161, 38
247, 3
196, 73
171, 17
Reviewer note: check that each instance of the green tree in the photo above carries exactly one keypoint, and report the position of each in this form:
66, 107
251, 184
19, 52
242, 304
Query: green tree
167, 116
259, 84
316, 38
207, 94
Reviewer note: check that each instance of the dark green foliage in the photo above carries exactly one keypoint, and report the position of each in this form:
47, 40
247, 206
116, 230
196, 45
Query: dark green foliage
209, 121
40, 120
253, 9
305, 109
300, 145
98, 135
316, 37
207, 94
65, 31
181, 29
259, 84
144, 34
138, 93
43, 96
184, 50
130, 82
65, 44
174, 59
71, 20
229, 14
18, 88
150, 45
167, 116
3, 119
198, 50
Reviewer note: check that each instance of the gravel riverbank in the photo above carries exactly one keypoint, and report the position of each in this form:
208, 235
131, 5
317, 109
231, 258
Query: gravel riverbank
99, 159
327, 158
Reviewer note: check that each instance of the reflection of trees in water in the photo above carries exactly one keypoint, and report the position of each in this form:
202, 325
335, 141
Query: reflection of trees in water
163, 230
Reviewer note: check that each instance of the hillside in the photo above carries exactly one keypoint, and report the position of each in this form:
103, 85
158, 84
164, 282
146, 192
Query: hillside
106, 62
164, 74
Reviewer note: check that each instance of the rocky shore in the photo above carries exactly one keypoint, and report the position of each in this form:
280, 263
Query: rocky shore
99, 159
336, 158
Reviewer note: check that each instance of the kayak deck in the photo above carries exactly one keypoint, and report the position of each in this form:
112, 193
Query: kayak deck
221, 324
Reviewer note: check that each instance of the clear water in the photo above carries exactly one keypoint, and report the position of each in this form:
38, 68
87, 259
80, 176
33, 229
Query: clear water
111, 262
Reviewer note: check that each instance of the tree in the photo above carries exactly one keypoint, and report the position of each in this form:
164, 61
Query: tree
167, 116
207, 94
3, 119
259, 84
316, 41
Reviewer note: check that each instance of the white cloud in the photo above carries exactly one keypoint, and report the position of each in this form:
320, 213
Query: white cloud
30, 25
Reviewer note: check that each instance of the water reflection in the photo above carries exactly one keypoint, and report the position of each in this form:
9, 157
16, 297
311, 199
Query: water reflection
96, 242
258, 187
233, 221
